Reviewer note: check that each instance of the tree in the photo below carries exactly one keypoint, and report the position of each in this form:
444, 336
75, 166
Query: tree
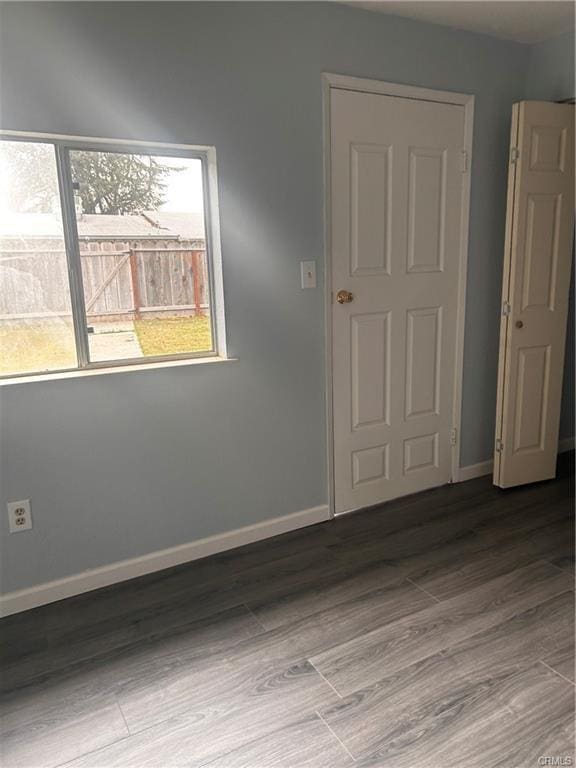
118, 183
28, 173
107, 182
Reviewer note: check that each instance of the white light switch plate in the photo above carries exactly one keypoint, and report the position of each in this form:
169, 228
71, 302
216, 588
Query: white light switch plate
308, 274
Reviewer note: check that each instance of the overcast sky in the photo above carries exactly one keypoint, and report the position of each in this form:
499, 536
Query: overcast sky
184, 188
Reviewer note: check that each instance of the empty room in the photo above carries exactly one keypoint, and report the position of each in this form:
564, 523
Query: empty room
287, 350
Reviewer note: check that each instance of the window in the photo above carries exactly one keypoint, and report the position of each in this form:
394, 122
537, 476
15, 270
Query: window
106, 255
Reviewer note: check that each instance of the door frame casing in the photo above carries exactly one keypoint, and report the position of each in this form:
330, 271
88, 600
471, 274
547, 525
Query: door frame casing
331, 82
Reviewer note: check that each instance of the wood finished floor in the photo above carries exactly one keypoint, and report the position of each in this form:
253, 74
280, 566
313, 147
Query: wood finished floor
436, 631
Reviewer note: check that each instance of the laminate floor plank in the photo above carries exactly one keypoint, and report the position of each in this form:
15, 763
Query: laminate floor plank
417, 508
167, 675
435, 630
402, 542
102, 633
304, 744
479, 525
482, 562
287, 544
296, 586
43, 732
84, 697
530, 519
561, 660
280, 582
126, 603
508, 725
176, 599
486, 505
145, 703
555, 543
413, 704
156, 637
355, 664
542, 723
344, 583
228, 711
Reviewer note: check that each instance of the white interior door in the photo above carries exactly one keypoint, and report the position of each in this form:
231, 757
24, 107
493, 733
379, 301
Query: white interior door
538, 260
396, 206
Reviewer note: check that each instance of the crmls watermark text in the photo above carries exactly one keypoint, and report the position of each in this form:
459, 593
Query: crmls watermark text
554, 760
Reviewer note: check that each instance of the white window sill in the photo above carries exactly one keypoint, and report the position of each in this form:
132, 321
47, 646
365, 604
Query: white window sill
104, 371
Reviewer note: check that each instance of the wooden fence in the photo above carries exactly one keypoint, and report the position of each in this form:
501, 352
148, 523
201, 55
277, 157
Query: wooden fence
121, 278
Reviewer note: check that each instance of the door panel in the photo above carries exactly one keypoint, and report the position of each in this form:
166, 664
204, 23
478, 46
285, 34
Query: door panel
538, 260
531, 398
370, 464
542, 241
421, 452
396, 195
423, 341
426, 210
548, 148
370, 369
370, 208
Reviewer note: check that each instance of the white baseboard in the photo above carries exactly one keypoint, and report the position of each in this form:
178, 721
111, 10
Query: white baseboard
86, 581
470, 471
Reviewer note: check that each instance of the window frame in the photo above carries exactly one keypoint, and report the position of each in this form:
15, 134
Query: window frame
63, 145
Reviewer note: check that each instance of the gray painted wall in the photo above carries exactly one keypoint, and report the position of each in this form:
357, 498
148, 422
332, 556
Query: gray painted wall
123, 464
550, 77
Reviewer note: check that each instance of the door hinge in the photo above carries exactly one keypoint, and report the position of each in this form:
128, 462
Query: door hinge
464, 161
499, 446
506, 308
453, 436
514, 154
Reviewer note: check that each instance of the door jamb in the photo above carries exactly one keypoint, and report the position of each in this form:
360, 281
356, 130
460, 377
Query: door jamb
344, 82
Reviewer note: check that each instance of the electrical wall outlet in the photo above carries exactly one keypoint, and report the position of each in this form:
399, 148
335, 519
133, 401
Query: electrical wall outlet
19, 516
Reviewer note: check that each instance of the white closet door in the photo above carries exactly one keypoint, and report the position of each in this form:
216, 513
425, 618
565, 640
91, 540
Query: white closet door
538, 259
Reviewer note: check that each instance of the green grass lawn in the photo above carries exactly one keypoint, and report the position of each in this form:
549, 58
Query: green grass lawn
49, 346
174, 335
26, 347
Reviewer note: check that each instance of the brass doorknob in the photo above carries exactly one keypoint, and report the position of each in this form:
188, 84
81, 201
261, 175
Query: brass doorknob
344, 297
519, 324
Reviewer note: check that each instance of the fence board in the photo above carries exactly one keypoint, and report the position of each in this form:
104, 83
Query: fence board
34, 277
